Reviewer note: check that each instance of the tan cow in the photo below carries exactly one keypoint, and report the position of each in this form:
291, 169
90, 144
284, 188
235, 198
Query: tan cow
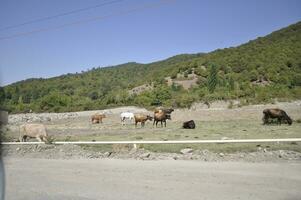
97, 118
142, 118
37, 131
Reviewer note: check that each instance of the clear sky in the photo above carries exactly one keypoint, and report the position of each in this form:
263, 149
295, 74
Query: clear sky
146, 35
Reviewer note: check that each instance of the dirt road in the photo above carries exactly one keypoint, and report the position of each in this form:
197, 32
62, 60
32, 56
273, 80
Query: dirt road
132, 179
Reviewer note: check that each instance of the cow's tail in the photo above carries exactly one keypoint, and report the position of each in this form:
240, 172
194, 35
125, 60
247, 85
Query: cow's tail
287, 118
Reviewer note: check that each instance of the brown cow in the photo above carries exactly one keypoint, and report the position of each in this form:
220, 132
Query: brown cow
161, 115
97, 118
277, 113
37, 131
142, 118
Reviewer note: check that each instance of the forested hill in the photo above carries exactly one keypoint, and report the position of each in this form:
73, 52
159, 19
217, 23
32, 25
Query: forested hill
259, 71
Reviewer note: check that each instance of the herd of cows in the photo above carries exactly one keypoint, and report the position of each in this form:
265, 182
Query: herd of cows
38, 131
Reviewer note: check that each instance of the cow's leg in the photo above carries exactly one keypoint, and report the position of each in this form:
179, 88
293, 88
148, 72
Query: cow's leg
142, 124
23, 138
161, 123
136, 124
39, 138
154, 122
279, 121
44, 138
157, 123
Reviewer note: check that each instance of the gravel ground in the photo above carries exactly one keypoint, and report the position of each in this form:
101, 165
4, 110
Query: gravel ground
73, 151
113, 179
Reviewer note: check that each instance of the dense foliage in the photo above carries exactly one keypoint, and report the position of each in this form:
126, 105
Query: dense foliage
258, 71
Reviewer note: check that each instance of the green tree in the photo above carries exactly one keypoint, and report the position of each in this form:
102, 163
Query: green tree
20, 104
2, 95
212, 79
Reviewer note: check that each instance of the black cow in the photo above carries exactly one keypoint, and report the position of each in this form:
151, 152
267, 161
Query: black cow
189, 124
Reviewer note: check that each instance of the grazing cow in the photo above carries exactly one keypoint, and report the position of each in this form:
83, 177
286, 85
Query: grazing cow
142, 118
161, 116
277, 113
189, 125
126, 116
37, 131
97, 118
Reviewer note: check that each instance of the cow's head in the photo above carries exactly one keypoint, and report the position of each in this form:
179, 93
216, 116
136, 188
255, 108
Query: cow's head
168, 116
150, 118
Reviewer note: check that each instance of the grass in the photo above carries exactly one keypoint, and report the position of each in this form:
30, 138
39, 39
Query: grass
205, 130
239, 129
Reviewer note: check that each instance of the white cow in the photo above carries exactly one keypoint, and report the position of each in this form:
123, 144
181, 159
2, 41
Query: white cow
126, 116
37, 131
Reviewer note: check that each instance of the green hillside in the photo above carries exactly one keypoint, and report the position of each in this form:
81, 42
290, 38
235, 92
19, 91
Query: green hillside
259, 71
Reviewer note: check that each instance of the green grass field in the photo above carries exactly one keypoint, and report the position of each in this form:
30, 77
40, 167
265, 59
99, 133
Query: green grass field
239, 129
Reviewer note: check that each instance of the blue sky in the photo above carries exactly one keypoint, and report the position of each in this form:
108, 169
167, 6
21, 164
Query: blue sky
147, 35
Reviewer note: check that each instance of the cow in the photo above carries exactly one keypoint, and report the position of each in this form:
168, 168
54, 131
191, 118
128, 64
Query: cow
97, 118
126, 116
161, 116
37, 131
272, 113
189, 125
142, 119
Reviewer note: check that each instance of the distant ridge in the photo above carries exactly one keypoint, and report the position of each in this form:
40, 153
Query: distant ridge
258, 71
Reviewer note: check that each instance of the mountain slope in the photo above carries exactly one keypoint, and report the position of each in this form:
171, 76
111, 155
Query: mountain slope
258, 71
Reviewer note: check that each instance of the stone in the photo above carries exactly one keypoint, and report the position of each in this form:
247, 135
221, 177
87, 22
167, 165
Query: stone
186, 151
145, 155
107, 154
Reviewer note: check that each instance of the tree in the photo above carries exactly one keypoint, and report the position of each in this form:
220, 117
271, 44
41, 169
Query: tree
212, 79
20, 104
2, 95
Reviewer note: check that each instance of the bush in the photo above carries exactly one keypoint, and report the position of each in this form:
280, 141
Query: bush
212, 79
54, 102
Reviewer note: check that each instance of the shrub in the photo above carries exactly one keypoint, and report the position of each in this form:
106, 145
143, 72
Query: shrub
212, 79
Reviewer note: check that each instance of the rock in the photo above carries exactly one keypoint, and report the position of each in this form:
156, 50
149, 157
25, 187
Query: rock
107, 154
224, 138
204, 152
186, 151
145, 155
221, 154
18, 149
